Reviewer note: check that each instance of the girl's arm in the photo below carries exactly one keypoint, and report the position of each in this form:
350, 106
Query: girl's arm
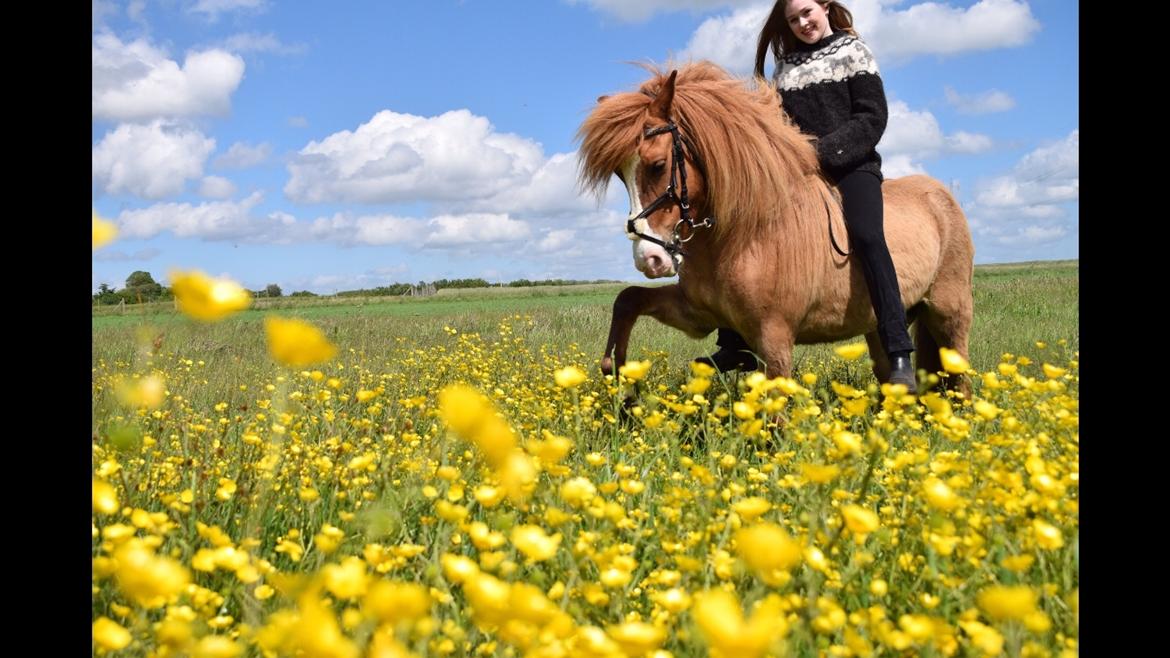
850, 144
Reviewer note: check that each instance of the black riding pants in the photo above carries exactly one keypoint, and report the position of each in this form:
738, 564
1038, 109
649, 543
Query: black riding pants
861, 200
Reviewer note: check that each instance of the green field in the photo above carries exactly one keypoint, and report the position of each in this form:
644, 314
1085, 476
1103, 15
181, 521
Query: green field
459, 480
1015, 305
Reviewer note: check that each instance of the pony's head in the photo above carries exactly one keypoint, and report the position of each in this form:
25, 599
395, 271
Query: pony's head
691, 146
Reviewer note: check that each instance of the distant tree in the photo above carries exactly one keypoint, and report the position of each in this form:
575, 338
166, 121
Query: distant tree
141, 287
272, 290
106, 295
303, 293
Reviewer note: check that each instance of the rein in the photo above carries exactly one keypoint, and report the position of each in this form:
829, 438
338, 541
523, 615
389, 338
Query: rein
678, 177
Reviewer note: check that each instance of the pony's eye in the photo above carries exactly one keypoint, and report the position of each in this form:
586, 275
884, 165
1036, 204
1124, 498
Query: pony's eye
658, 167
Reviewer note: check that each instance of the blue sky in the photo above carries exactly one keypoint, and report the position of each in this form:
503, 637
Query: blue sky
333, 146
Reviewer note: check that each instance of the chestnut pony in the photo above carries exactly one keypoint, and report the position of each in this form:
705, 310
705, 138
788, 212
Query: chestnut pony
728, 194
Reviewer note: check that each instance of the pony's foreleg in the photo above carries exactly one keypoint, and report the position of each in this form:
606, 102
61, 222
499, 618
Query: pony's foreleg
665, 304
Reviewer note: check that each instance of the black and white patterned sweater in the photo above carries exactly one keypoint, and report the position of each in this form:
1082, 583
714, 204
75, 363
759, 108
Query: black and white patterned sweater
832, 89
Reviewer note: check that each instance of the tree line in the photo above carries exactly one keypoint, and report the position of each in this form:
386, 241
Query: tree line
141, 288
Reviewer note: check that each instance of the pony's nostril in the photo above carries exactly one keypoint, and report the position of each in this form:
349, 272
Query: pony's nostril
654, 262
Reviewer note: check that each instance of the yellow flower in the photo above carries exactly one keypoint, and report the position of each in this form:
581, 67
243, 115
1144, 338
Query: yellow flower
939, 495
1047, 535
952, 361
108, 633
634, 370
104, 231
578, 491
105, 498
569, 377
636, 638
457, 568
1052, 372
819, 473
1002, 602
766, 547
347, 580
674, 600
207, 299
146, 578
860, 520
297, 343
851, 351
216, 646
719, 615
750, 508
533, 542
148, 392
1017, 563
391, 602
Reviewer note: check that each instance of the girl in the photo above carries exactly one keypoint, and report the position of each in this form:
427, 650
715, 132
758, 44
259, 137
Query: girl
831, 89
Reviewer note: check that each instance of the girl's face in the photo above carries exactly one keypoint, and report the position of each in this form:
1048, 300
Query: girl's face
808, 20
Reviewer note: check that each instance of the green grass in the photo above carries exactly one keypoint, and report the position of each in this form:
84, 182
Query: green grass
1015, 305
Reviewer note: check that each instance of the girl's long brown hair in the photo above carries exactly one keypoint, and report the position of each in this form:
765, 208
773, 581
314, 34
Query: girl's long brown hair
778, 37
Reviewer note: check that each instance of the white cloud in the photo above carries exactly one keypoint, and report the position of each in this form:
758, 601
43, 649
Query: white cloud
474, 229
986, 102
137, 82
219, 220
916, 135
927, 28
1031, 204
213, 8
100, 9
638, 10
550, 190
729, 41
261, 43
367, 230
453, 157
241, 155
136, 10
216, 187
932, 28
556, 240
965, 142
1049, 174
899, 165
151, 161
121, 256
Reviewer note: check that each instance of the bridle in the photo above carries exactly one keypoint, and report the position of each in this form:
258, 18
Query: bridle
684, 229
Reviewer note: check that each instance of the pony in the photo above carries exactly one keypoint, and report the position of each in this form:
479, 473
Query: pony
765, 259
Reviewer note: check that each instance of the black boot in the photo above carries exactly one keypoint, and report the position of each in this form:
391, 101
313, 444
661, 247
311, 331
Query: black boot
729, 359
902, 371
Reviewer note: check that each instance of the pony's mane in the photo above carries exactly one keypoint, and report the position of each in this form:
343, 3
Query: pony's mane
760, 168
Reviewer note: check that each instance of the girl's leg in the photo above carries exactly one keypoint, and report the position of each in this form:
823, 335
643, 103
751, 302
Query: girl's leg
861, 199
734, 353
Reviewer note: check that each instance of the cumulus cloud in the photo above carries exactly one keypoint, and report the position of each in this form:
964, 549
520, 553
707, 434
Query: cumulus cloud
1030, 204
211, 9
475, 228
453, 157
261, 43
992, 100
928, 28
639, 10
899, 165
242, 156
220, 220
216, 187
729, 41
152, 161
916, 135
138, 82
550, 191
556, 240
121, 256
1049, 174
367, 230
932, 28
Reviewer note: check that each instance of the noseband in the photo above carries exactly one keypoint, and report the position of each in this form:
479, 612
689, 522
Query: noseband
684, 229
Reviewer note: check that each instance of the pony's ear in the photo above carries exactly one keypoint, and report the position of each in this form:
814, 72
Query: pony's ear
601, 99
660, 106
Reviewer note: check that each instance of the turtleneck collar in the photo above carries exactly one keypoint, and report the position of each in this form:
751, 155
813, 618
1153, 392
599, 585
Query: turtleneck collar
813, 47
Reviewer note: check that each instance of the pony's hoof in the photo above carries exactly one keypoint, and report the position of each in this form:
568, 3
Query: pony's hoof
606, 365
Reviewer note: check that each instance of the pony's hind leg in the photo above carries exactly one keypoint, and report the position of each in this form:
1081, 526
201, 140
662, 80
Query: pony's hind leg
951, 330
